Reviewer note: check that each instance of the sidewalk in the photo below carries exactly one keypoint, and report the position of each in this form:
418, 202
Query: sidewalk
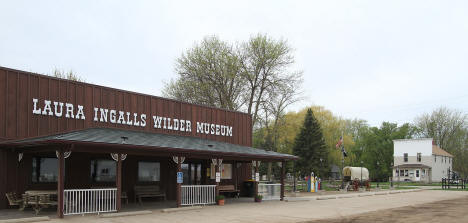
276, 211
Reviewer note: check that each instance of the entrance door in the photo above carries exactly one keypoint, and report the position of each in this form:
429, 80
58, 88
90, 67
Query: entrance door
192, 173
417, 177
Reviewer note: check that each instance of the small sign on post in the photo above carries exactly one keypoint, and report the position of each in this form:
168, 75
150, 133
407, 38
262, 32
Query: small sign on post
180, 177
257, 176
218, 177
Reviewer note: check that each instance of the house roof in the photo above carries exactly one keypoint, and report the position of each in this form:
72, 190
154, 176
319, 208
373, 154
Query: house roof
440, 152
175, 143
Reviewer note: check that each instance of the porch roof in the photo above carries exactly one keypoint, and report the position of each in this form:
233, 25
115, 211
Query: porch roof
411, 165
156, 141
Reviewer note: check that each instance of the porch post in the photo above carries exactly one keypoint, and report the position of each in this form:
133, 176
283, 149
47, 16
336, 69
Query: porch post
118, 181
256, 180
60, 183
217, 171
179, 185
283, 163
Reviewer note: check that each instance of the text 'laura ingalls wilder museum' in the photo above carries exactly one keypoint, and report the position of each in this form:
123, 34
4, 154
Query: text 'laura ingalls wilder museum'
87, 148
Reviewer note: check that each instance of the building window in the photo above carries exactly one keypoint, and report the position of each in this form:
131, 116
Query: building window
449, 160
406, 173
402, 173
445, 158
225, 169
103, 170
44, 170
405, 155
148, 171
418, 157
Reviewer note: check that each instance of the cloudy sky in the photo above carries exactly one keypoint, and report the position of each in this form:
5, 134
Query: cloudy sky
373, 60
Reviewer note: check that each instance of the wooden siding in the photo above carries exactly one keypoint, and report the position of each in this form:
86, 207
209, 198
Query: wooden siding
17, 121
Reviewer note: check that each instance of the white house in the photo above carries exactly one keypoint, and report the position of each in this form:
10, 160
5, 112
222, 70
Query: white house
420, 160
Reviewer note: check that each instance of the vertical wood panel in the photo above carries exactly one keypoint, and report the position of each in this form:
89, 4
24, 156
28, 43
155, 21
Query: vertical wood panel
12, 116
20, 87
3, 96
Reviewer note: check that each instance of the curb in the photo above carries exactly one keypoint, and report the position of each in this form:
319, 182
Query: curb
18, 220
170, 210
326, 198
123, 214
366, 194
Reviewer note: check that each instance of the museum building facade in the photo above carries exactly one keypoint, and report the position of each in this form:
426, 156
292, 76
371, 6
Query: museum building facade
95, 146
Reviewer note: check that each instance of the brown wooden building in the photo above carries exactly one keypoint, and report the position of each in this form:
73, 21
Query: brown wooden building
61, 135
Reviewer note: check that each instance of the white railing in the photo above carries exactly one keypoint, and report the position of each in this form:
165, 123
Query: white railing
270, 191
83, 201
198, 194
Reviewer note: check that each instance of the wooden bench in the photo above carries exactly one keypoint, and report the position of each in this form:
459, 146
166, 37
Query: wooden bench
148, 191
228, 189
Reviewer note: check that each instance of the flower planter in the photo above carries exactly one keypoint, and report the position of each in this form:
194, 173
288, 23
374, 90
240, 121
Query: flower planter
221, 202
258, 199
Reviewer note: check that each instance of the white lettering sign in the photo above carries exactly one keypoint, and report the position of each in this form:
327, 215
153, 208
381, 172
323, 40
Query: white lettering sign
105, 115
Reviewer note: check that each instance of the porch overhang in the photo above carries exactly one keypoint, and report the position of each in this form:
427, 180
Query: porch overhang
414, 166
147, 143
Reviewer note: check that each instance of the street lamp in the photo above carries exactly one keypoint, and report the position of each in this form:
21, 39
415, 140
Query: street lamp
378, 163
391, 179
360, 183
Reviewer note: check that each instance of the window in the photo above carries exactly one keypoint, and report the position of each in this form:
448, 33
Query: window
405, 155
44, 170
103, 170
435, 158
148, 171
418, 157
445, 158
402, 173
449, 160
417, 173
225, 169
406, 173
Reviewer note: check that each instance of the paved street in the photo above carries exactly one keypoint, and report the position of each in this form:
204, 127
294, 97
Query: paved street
302, 211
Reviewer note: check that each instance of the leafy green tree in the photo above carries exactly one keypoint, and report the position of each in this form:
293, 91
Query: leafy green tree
377, 148
310, 147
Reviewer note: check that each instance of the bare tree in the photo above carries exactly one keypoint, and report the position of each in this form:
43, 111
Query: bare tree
70, 75
449, 129
209, 74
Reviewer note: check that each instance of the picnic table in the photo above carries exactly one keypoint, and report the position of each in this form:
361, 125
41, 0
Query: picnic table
39, 199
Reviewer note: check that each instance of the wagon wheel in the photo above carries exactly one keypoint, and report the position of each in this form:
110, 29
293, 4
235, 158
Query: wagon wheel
355, 185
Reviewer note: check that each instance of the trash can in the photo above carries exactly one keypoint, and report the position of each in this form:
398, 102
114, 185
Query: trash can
248, 189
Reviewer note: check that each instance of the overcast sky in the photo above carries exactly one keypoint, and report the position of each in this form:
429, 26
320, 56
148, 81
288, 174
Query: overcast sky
373, 60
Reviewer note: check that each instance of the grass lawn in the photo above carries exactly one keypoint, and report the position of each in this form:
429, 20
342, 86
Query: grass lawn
408, 183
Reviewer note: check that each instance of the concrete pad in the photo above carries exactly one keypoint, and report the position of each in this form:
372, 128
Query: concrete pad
121, 214
33, 219
170, 210
382, 193
395, 192
297, 199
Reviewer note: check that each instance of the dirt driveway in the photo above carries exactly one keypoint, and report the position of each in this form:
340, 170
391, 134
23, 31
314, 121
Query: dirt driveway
446, 211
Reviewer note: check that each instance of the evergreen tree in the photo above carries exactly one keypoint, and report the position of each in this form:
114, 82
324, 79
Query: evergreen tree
310, 147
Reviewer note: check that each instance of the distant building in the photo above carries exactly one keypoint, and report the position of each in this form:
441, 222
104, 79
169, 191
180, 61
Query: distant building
420, 160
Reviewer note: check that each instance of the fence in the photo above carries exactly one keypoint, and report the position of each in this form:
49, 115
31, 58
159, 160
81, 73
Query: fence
83, 201
270, 191
198, 194
457, 182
